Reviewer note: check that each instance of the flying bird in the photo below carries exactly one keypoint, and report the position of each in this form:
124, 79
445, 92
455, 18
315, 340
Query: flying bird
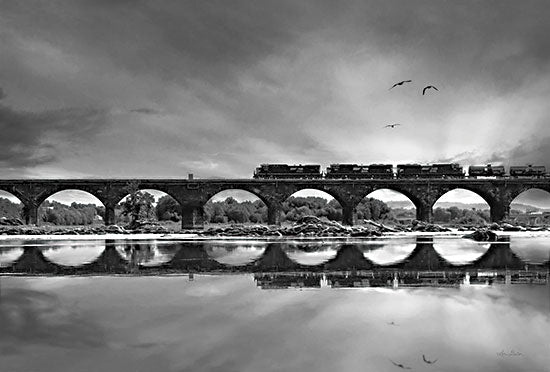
428, 87
392, 323
400, 365
400, 83
428, 361
391, 125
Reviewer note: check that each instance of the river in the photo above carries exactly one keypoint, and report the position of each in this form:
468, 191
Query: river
382, 304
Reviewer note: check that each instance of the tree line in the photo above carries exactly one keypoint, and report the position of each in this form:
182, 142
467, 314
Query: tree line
461, 216
141, 205
232, 211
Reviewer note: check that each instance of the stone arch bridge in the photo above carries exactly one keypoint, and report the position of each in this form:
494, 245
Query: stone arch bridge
192, 195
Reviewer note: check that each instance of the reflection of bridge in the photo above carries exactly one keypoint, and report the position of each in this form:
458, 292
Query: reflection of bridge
192, 195
424, 266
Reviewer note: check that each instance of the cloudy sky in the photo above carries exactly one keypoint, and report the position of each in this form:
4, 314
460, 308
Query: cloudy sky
162, 89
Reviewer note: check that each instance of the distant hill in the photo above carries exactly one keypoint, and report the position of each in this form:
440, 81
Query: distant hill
481, 206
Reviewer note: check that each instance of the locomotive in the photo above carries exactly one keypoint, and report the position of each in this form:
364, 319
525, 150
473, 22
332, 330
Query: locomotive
354, 171
266, 171
451, 170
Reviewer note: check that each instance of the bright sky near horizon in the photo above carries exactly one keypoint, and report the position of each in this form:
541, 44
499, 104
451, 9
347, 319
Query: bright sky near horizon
162, 89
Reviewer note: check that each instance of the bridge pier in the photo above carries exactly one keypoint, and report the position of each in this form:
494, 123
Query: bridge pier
30, 213
499, 211
424, 213
348, 215
109, 218
192, 217
274, 211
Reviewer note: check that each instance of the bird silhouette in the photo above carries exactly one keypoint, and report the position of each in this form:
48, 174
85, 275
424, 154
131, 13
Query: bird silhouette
391, 125
392, 323
400, 365
428, 361
428, 87
400, 83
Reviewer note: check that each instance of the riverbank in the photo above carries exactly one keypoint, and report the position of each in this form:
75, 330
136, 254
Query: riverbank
308, 227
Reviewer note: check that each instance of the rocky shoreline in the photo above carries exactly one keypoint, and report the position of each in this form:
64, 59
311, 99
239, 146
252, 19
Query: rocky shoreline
308, 226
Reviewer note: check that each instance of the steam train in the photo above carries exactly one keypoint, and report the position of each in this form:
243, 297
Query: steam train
403, 171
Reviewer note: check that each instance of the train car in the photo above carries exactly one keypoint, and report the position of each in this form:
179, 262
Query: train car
380, 171
347, 171
486, 171
409, 170
530, 171
267, 171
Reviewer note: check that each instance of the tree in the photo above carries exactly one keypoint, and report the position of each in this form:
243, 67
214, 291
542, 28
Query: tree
138, 205
442, 215
168, 209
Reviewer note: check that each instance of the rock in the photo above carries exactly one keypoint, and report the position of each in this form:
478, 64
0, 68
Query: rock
482, 235
5, 221
509, 227
115, 229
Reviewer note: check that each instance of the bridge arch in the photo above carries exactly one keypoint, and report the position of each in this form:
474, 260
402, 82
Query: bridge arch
52, 190
483, 193
71, 207
12, 207
250, 191
408, 209
314, 201
475, 215
527, 206
168, 199
236, 205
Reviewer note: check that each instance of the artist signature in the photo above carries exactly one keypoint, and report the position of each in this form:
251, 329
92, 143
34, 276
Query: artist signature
511, 353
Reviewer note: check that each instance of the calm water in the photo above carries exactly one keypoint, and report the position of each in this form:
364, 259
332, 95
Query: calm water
230, 322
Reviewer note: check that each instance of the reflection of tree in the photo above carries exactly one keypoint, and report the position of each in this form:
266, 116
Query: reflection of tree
138, 253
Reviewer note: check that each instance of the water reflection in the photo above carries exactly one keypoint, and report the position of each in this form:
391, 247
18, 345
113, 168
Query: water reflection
152, 257
284, 281
73, 254
9, 255
226, 323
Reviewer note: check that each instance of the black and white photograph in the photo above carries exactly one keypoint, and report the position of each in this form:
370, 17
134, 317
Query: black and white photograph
274, 185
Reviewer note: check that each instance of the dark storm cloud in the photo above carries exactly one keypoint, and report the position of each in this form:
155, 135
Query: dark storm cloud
534, 150
177, 41
260, 70
210, 40
145, 111
32, 138
503, 41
